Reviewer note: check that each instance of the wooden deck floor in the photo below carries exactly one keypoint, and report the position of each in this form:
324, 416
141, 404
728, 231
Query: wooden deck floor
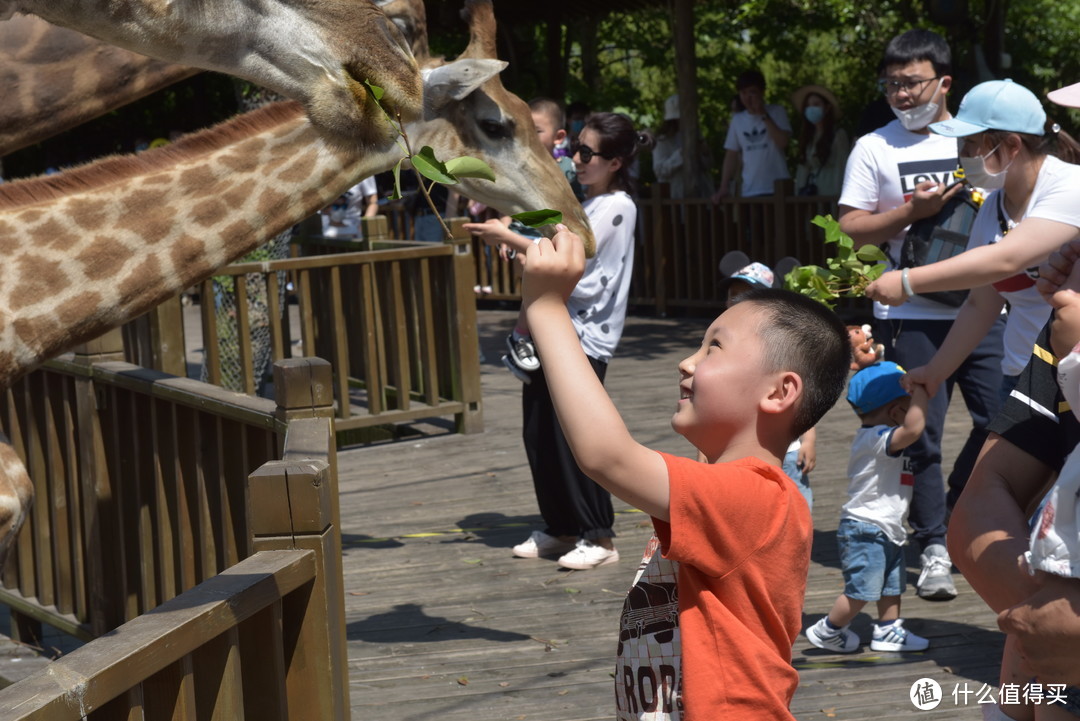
443, 623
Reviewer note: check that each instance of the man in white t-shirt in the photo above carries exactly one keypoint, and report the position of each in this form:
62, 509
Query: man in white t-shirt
897, 175
757, 137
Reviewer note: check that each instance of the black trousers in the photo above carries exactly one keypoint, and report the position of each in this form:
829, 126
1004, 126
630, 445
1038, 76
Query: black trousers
571, 503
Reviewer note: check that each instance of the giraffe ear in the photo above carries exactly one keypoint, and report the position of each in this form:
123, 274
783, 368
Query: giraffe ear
455, 81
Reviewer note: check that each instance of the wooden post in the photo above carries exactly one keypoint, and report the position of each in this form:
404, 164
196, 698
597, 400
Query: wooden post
686, 76
100, 514
465, 341
167, 337
291, 507
375, 228
781, 245
660, 245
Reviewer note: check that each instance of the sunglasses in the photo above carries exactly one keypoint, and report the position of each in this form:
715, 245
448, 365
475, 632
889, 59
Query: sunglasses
586, 153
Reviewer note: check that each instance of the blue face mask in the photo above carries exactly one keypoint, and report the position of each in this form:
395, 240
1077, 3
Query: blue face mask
814, 113
576, 126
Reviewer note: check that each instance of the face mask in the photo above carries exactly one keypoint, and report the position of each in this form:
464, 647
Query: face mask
976, 174
920, 116
337, 214
576, 126
814, 113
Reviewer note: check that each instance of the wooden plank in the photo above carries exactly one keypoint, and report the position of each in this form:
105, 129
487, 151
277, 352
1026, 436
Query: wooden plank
263, 669
169, 694
243, 334
339, 339
211, 340
166, 505
88, 677
397, 345
219, 684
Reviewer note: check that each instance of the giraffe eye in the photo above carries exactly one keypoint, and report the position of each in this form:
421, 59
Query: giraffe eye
495, 129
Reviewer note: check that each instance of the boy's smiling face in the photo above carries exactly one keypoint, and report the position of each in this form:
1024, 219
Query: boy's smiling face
722, 384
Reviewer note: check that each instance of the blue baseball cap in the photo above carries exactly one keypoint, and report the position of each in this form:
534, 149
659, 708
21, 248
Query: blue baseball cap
874, 386
995, 105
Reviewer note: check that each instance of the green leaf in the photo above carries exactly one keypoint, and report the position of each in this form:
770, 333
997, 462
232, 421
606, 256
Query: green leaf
469, 167
396, 195
870, 254
376, 91
431, 167
537, 218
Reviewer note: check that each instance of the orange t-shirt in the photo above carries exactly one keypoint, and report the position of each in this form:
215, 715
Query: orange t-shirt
741, 533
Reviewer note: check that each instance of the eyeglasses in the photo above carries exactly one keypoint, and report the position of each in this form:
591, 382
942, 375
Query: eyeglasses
586, 153
911, 87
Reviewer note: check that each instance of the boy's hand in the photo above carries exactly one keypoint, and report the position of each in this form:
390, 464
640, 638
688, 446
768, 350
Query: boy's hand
553, 267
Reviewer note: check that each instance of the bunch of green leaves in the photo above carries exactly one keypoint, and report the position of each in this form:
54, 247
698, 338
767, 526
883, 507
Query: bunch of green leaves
845, 275
449, 172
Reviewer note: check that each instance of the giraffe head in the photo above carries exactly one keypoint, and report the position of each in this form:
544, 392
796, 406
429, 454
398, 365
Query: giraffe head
467, 111
318, 53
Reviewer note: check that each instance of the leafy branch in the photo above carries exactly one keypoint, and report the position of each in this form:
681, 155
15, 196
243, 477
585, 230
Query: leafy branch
426, 165
846, 275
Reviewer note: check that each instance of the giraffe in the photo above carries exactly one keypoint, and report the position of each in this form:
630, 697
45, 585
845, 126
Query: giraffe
90, 248
318, 53
55, 79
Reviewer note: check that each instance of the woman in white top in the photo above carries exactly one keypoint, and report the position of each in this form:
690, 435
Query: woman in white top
577, 513
1005, 144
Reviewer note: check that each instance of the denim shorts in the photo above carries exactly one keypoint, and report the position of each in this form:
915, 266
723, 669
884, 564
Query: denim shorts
873, 565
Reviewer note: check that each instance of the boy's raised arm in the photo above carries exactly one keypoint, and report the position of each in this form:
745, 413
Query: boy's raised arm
597, 435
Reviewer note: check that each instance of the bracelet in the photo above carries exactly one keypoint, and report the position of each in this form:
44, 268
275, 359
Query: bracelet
905, 283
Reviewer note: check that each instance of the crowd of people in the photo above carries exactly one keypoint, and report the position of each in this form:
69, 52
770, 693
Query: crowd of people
774, 362
968, 294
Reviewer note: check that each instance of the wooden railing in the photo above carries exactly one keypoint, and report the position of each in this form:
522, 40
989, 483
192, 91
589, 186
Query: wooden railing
264, 639
681, 242
139, 482
396, 319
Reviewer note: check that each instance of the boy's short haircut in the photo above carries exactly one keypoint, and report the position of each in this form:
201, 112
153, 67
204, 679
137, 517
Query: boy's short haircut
918, 45
552, 109
750, 79
803, 336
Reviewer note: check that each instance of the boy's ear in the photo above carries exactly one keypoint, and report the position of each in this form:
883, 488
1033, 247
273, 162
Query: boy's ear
560, 135
784, 394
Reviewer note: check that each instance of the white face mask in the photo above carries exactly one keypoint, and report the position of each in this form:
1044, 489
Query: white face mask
976, 173
920, 116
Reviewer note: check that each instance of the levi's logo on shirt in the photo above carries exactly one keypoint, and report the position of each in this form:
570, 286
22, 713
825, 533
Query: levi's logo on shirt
919, 171
907, 478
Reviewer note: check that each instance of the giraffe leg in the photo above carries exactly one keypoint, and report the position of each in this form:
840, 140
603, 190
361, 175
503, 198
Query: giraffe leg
16, 495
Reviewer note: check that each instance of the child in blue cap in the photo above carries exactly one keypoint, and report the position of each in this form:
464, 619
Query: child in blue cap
871, 535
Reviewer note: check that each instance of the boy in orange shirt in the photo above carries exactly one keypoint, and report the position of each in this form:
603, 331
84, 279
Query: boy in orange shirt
736, 528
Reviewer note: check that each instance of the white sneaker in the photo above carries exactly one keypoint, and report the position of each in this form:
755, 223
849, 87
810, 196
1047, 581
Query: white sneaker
541, 544
841, 641
935, 581
523, 352
895, 637
586, 555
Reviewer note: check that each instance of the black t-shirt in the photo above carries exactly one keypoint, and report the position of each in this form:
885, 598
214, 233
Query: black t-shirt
1036, 417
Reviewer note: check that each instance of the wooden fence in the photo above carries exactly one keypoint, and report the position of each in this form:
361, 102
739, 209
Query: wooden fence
228, 585
397, 320
681, 242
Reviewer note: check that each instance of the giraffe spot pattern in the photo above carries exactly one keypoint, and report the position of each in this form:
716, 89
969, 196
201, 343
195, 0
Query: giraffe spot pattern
38, 277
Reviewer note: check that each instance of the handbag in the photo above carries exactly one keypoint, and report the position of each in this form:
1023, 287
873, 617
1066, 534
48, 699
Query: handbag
941, 237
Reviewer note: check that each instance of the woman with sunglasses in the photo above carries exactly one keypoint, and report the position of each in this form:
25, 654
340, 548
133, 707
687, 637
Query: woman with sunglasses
578, 513
1006, 145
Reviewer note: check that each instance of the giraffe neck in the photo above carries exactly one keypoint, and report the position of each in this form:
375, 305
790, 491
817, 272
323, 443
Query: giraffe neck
55, 79
92, 248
